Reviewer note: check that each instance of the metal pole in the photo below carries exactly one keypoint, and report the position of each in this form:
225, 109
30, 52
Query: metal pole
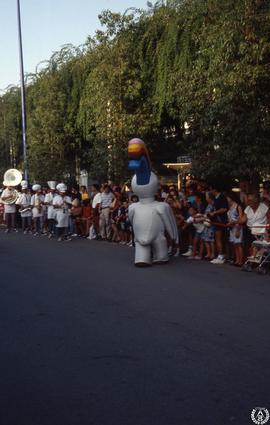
23, 105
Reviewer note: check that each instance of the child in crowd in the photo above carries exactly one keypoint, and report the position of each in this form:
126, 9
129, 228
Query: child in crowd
84, 222
75, 214
191, 194
196, 219
200, 202
122, 220
84, 193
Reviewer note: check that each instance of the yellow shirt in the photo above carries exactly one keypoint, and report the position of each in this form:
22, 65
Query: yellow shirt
84, 196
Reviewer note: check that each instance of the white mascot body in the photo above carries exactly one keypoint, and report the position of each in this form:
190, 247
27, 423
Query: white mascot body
149, 218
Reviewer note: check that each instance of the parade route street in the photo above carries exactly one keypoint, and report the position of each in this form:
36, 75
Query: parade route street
88, 339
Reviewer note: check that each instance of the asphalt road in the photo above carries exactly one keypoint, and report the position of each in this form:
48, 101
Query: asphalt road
88, 339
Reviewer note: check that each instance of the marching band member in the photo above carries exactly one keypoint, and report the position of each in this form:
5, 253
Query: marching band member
9, 207
37, 201
24, 201
62, 204
48, 201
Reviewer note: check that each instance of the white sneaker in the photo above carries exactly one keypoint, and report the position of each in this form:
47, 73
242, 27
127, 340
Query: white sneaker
197, 257
219, 260
177, 253
188, 253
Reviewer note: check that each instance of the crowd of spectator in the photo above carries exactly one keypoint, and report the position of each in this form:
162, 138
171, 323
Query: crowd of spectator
213, 225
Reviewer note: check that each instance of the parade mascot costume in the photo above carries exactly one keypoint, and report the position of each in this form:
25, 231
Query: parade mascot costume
149, 218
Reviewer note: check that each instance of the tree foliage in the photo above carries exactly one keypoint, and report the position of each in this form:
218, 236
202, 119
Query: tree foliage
187, 76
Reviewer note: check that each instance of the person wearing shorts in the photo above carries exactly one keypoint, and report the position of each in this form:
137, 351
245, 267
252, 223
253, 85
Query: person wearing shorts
235, 213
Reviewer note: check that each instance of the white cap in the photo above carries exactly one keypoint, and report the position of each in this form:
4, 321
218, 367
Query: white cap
24, 184
61, 187
36, 187
52, 185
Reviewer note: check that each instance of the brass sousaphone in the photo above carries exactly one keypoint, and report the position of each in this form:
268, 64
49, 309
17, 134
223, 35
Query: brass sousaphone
12, 178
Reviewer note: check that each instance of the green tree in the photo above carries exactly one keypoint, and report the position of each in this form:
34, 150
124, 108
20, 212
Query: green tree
113, 95
10, 130
187, 76
223, 93
53, 101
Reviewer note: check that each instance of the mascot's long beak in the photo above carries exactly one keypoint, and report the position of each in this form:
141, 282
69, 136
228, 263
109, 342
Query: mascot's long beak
141, 169
139, 161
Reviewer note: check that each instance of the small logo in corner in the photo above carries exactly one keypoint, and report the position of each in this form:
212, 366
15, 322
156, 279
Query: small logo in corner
260, 415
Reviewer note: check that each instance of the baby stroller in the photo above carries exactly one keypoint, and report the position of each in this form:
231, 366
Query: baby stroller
260, 261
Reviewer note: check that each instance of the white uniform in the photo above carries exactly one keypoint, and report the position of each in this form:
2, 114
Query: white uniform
9, 208
36, 200
24, 201
50, 208
62, 214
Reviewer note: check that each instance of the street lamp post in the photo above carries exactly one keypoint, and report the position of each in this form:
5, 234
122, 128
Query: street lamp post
23, 105
134, 10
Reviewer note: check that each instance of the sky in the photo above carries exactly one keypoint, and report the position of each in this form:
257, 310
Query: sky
46, 26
